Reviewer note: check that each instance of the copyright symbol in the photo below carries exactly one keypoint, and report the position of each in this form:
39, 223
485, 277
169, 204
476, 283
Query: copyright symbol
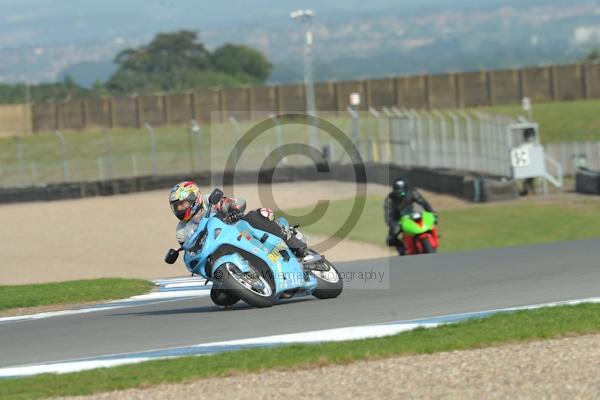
218, 274
320, 161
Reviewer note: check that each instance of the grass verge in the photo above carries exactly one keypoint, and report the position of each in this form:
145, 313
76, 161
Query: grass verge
478, 227
19, 296
514, 327
568, 121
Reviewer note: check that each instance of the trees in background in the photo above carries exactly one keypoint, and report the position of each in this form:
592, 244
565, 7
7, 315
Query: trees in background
174, 61
178, 61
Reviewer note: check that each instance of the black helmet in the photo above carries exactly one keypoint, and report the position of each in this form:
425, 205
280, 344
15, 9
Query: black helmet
400, 187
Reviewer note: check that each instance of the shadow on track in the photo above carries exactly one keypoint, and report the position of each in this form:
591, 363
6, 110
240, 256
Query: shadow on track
241, 306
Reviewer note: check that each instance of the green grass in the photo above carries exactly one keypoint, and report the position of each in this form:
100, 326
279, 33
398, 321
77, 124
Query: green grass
19, 296
477, 227
569, 121
514, 327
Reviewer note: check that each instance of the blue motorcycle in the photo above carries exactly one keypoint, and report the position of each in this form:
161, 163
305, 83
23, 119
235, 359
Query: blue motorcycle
246, 263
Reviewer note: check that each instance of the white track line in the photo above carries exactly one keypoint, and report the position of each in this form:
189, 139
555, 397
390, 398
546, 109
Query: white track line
177, 288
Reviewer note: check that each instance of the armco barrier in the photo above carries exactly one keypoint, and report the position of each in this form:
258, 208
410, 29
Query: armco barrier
587, 181
455, 183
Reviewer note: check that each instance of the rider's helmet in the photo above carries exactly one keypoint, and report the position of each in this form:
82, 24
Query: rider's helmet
400, 188
186, 200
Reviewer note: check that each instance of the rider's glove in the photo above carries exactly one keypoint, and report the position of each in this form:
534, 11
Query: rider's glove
390, 240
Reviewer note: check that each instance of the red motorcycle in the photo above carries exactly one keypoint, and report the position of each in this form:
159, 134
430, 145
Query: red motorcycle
420, 233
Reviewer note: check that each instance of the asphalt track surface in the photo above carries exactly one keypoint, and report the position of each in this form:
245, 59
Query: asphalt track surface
418, 287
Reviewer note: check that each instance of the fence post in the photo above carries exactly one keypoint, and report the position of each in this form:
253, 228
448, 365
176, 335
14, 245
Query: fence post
458, 84
238, 135
191, 146
278, 99
57, 115
134, 165
193, 106
250, 102
166, 102
109, 151
444, 138
522, 83
470, 146
427, 84
100, 169
278, 138
483, 142
112, 113
196, 129
553, 83
418, 125
84, 114
65, 154
456, 134
139, 111
222, 102
491, 88
20, 159
34, 172
355, 127
375, 150
336, 97
430, 146
388, 138
407, 151
584, 81
152, 136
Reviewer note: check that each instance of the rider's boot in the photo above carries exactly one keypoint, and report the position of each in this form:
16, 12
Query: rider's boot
400, 248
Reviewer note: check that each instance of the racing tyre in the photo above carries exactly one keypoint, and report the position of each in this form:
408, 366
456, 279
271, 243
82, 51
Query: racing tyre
251, 287
223, 297
329, 282
427, 247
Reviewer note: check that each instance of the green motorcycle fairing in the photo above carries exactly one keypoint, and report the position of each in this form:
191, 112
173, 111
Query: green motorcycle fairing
412, 228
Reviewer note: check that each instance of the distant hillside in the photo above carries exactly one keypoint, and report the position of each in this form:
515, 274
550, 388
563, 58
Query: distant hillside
39, 39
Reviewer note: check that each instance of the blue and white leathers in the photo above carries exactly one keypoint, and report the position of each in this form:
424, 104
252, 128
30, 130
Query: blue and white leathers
213, 233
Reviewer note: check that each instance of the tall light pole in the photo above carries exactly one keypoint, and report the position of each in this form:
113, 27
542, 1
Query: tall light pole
306, 16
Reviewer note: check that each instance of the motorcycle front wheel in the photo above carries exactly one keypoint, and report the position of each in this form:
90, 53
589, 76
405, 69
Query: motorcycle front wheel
251, 287
427, 246
223, 297
329, 282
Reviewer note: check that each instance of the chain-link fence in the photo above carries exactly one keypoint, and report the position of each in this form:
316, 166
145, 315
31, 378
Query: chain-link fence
460, 140
476, 142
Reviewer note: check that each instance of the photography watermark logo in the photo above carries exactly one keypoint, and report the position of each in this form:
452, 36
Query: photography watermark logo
366, 277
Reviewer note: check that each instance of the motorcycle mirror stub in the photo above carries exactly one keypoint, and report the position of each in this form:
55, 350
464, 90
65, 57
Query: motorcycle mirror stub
171, 256
215, 196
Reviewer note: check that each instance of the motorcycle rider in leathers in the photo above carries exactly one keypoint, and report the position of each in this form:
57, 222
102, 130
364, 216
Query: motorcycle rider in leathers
397, 204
